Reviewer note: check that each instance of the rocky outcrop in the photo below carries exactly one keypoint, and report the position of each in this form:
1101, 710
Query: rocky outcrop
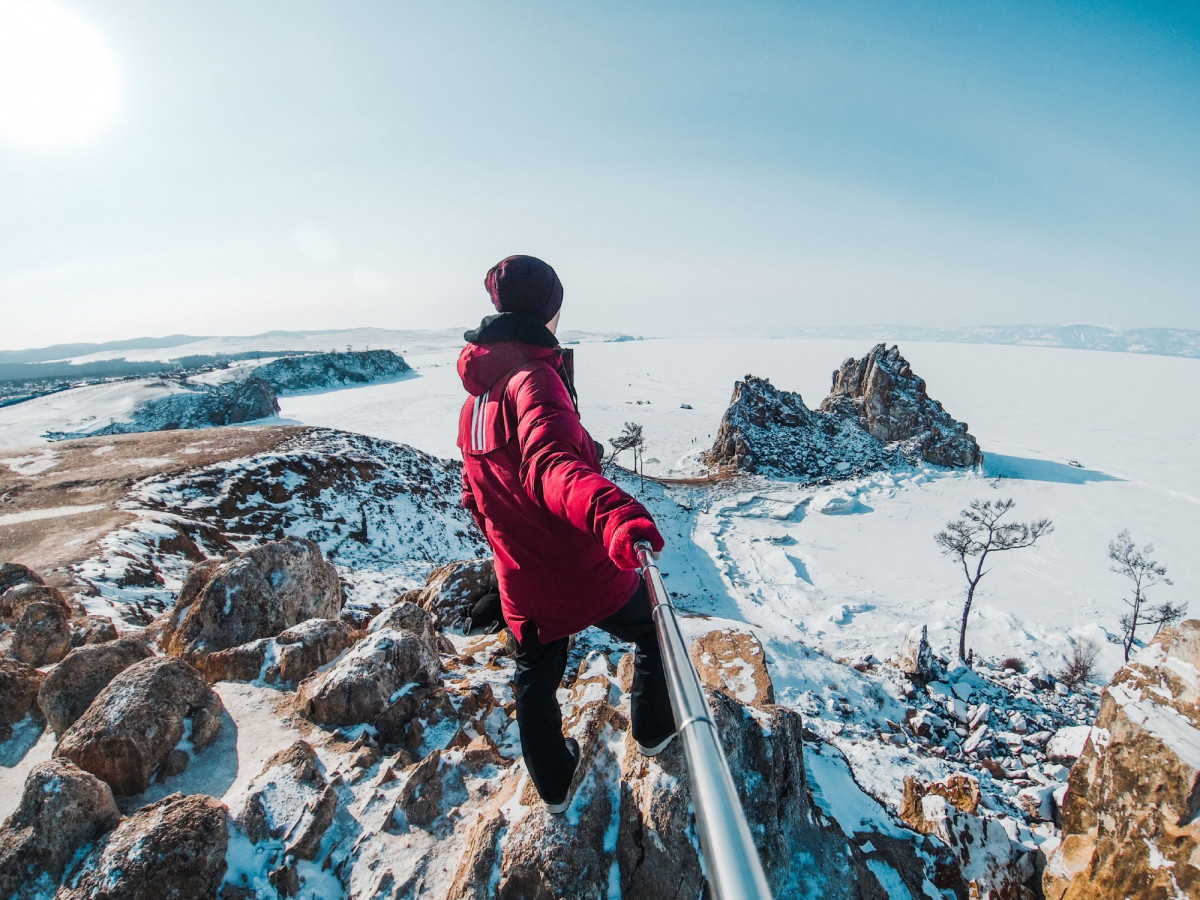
291, 656
364, 682
1129, 818
19, 685
254, 595
734, 661
74, 683
892, 404
195, 406
61, 810
322, 371
134, 723
453, 589
915, 657
174, 848
877, 415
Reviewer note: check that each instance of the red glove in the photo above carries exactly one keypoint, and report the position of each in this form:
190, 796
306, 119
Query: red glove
620, 546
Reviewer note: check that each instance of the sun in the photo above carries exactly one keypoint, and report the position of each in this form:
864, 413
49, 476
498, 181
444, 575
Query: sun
59, 82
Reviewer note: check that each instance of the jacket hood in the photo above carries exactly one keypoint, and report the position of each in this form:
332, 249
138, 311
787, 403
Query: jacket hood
481, 366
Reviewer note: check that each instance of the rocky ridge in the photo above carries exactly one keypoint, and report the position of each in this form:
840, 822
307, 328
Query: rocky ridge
323, 371
878, 415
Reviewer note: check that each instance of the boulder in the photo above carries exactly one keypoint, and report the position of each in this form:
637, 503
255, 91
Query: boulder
734, 661
368, 678
13, 574
42, 635
87, 630
1068, 743
74, 683
19, 685
915, 658
173, 849
892, 405
453, 589
1129, 817
254, 595
14, 600
291, 656
61, 810
289, 806
140, 717
405, 616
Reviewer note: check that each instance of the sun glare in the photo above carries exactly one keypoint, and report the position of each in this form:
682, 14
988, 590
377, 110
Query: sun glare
59, 83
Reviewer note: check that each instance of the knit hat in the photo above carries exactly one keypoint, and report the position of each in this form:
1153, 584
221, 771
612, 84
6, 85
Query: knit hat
524, 284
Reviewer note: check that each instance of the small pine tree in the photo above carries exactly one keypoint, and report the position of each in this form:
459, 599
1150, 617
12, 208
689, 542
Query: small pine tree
1142, 572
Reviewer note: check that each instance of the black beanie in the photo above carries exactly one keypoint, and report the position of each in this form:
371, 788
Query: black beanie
524, 284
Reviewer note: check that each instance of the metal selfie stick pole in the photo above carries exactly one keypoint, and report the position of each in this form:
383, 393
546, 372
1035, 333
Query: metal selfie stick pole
731, 859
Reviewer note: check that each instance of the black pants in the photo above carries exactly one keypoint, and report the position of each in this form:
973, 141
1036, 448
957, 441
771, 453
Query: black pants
539, 674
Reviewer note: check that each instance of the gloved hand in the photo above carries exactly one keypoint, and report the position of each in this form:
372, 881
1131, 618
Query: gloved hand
621, 545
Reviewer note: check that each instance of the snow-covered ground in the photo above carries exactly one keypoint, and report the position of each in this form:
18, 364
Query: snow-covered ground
850, 568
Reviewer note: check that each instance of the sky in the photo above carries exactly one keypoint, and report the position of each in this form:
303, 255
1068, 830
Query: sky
243, 166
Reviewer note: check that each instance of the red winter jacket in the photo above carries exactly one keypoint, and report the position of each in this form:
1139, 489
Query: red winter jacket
531, 476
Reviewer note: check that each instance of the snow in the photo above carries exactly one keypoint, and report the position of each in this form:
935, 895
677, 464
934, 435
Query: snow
52, 512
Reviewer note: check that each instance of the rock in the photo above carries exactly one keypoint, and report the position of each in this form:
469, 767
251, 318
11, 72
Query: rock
1129, 817
1068, 743
364, 682
1037, 802
19, 685
293, 655
254, 595
915, 658
87, 630
891, 403
452, 590
404, 721
289, 806
70, 689
734, 661
322, 371
976, 738
432, 786
405, 616
138, 718
42, 635
61, 810
988, 858
14, 600
173, 849
13, 574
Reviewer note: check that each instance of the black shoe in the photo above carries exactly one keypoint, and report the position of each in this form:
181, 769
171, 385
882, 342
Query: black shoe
557, 809
655, 749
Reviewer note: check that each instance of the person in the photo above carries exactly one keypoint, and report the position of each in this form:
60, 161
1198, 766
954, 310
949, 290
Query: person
562, 534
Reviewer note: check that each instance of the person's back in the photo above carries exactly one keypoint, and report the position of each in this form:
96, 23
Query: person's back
563, 535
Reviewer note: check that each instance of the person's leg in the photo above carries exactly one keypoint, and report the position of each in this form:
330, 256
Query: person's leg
650, 704
539, 673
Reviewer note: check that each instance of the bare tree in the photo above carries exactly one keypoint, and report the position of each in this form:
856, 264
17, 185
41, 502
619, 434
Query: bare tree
631, 438
1080, 664
979, 532
1142, 572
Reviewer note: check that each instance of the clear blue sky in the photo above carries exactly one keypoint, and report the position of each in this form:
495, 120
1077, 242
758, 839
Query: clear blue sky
296, 164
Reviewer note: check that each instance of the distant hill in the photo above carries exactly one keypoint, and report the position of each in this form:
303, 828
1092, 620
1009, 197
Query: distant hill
1155, 341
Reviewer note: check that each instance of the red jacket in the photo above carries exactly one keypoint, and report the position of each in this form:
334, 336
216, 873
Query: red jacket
531, 475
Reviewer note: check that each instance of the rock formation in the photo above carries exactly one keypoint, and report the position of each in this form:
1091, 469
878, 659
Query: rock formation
292, 655
74, 683
173, 848
1129, 818
877, 415
451, 590
19, 685
61, 810
135, 722
257, 594
891, 403
321, 371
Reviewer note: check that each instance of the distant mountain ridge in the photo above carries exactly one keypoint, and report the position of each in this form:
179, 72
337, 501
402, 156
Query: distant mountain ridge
1153, 341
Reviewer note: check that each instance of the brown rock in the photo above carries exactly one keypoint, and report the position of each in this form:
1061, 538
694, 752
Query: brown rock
137, 719
915, 657
962, 792
61, 809
254, 595
42, 635
70, 689
19, 685
296, 653
734, 661
11, 575
366, 680
1129, 819
289, 805
173, 849
14, 600
87, 630
403, 722
433, 786
451, 590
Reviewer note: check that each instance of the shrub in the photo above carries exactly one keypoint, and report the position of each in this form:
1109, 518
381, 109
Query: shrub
1015, 663
1081, 663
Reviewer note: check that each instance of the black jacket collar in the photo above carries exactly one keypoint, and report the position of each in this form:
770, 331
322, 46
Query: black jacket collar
523, 328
